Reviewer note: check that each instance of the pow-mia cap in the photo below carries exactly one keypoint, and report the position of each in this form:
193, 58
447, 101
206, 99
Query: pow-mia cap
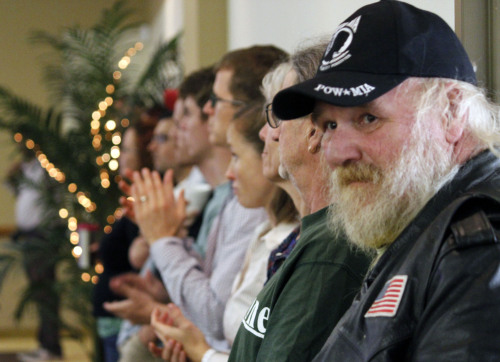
373, 51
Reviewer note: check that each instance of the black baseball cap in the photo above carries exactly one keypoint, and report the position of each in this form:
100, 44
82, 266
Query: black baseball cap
373, 51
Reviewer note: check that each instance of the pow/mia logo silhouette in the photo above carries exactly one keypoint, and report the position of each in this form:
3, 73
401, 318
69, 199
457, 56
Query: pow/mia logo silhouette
337, 51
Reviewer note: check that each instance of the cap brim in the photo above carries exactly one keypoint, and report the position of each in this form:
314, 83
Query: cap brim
345, 89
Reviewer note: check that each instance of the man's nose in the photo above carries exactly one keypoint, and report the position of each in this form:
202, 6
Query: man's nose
207, 108
275, 133
341, 146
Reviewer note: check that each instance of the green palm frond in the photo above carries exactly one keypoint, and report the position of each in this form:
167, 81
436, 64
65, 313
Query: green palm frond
162, 71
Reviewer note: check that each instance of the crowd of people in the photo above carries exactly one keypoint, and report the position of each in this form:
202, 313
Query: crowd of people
339, 203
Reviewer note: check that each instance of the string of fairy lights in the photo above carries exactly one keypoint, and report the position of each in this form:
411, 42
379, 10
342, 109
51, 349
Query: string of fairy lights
106, 161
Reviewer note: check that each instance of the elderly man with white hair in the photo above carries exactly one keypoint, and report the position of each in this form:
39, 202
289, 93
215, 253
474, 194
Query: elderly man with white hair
411, 141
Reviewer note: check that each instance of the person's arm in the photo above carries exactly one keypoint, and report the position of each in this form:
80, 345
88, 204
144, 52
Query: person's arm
202, 293
142, 293
460, 320
136, 308
138, 252
310, 304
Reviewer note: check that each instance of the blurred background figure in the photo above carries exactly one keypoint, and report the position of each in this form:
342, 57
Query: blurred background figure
29, 182
114, 248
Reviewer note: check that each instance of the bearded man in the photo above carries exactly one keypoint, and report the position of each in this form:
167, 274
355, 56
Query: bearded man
410, 140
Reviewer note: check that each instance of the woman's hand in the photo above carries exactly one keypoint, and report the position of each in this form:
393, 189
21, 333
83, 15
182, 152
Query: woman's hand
157, 212
169, 323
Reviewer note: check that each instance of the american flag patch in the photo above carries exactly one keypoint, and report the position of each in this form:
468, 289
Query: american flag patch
387, 302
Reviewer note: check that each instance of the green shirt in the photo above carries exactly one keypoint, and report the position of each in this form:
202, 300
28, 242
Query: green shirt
293, 315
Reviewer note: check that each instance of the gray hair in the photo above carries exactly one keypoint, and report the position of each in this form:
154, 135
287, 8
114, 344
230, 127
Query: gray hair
273, 80
305, 60
481, 115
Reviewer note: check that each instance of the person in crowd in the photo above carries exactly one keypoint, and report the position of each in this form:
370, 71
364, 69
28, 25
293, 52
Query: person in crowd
194, 147
199, 287
34, 221
238, 78
114, 247
164, 151
293, 314
411, 141
253, 189
203, 162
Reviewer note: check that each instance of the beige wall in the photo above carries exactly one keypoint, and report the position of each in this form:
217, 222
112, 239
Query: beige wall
205, 33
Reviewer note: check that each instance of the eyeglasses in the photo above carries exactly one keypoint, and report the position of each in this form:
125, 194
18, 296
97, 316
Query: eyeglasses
272, 120
214, 99
160, 138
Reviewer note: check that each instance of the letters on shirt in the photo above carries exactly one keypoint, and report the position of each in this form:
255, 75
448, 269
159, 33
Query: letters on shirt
255, 320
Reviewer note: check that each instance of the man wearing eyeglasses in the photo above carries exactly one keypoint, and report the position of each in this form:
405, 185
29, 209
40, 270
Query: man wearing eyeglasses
162, 148
238, 79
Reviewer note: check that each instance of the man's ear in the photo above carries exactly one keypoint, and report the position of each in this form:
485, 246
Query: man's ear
454, 120
314, 136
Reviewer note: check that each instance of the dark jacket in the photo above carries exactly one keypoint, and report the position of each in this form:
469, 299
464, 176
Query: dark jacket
444, 302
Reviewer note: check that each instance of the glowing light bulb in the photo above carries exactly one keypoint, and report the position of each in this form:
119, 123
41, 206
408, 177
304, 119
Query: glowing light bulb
113, 165
74, 238
115, 152
30, 144
72, 187
86, 277
96, 115
77, 250
110, 125
117, 138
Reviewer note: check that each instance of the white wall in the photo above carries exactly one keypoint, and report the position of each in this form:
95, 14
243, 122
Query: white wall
285, 23
171, 18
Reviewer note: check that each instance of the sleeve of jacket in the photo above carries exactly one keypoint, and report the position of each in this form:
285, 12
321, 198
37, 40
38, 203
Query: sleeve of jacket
461, 315
300, 322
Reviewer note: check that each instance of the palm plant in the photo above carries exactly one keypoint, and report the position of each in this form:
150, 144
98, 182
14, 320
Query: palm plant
74, 143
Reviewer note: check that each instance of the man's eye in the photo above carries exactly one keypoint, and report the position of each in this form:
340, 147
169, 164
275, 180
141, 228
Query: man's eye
368, 119
330, 125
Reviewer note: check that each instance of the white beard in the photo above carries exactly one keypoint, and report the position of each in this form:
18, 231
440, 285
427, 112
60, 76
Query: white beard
283, 172
373, 214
